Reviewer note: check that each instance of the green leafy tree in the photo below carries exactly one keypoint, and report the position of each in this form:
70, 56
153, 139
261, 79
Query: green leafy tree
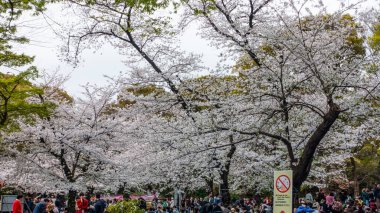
19, 97
9, 12
16, 90
364, 167
375, 38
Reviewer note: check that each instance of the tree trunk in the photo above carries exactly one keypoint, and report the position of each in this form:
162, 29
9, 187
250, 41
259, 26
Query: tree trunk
71, 201
90, 192
121, 189
355, 177
224, 186
210, 184
302, 169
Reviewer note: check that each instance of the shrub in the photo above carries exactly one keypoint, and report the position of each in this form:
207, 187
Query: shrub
125, 206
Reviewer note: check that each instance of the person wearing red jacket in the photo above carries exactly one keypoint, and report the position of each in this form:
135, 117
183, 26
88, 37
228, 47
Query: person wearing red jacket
82, 204
17, 207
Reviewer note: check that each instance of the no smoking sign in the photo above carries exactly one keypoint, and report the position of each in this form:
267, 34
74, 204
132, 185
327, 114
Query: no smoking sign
283, 191
283, 183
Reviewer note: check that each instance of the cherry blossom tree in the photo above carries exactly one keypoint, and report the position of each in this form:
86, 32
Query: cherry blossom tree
309, 71
70, 150
190, 151
304, 96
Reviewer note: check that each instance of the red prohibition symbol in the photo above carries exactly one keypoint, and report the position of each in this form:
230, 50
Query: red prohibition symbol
283, 183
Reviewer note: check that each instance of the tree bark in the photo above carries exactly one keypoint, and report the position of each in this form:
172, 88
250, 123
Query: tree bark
71, 201
355, 177
224, 186
210, 184
90, 192
302, 169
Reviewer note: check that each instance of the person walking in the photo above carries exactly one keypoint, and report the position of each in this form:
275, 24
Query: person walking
17, 207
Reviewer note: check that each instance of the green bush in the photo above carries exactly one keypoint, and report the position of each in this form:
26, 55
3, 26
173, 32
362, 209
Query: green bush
125, 206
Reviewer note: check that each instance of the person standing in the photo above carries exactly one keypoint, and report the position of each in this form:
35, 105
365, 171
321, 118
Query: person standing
164, 204
82, 204
17, 207
323, 207
309, 197
59, 202
365, 196
320, 196
337, 206
376, 194
372, 205
51, 208
100, 204
330, 201
41, 206
28, 205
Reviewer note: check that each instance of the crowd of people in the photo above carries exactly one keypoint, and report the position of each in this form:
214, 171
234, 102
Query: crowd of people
332, 202
341, 202
210, 204
58, 204
319, 202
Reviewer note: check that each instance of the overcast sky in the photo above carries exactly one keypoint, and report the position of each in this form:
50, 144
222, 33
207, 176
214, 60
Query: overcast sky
45, 46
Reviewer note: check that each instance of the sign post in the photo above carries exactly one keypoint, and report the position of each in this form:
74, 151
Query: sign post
283, 191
